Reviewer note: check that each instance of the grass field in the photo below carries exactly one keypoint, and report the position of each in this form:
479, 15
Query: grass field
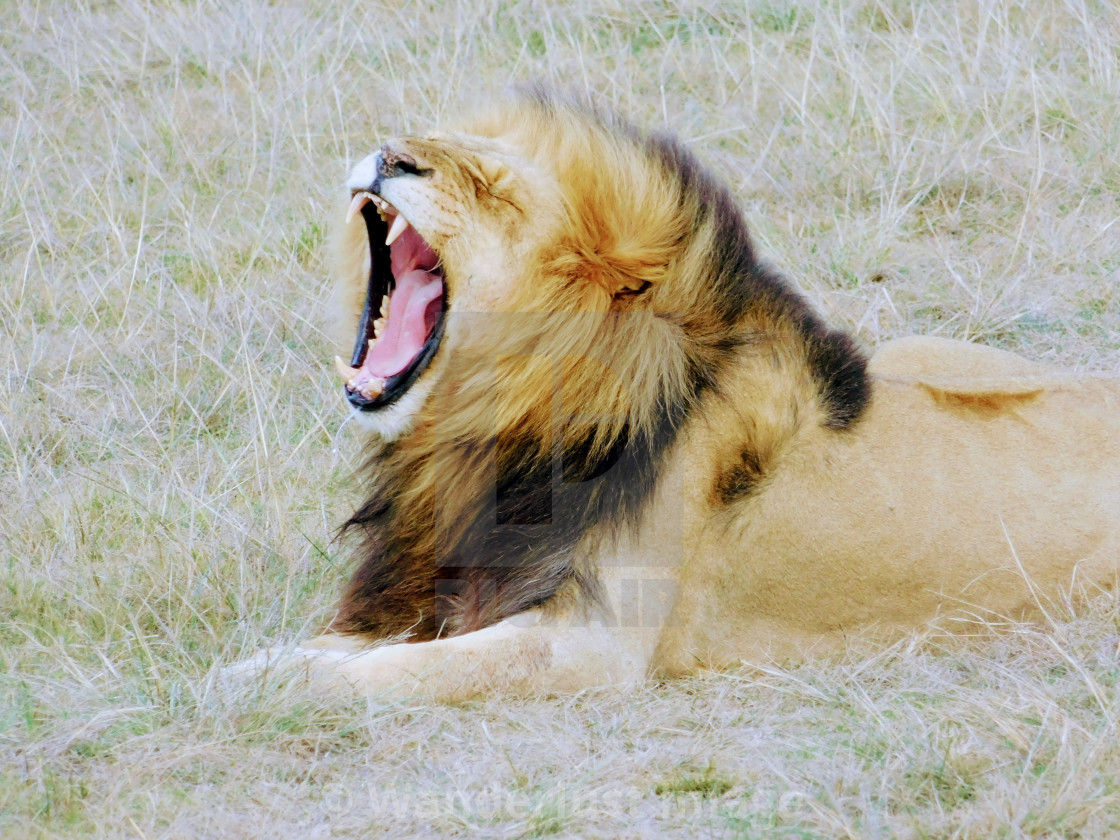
173, 457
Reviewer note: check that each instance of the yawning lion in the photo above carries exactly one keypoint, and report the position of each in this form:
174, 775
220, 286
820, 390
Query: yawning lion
608, 444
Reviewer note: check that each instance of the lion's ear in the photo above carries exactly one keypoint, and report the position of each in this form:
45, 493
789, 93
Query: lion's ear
631, 287
626, 273
609, 287
629, 250
633, 254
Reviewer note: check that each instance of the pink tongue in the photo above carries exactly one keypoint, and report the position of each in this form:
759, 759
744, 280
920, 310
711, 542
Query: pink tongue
407, 328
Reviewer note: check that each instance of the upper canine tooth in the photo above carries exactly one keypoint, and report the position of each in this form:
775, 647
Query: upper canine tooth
359, 201
400, 225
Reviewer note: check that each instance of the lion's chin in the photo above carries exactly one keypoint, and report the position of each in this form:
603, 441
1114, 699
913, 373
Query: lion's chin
395, 420
394, 347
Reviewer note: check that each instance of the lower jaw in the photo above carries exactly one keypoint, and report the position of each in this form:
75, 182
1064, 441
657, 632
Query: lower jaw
399, 384
394, 421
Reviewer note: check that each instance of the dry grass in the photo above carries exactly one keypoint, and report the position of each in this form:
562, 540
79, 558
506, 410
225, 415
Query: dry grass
171, 464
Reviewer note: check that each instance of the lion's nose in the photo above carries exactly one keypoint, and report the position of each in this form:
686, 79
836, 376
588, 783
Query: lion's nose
363, 175
385, 163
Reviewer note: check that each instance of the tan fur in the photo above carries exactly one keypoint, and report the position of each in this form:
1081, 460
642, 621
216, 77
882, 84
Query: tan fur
977, 485
786, 513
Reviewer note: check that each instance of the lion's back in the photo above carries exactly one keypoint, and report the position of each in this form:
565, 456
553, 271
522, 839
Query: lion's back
925, 355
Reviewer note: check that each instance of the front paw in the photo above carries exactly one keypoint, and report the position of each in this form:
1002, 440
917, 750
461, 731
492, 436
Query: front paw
338, 664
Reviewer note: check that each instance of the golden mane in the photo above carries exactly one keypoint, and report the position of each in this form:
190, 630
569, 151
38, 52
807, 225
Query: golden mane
644, 288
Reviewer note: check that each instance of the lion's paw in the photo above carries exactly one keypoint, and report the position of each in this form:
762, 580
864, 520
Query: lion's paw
368, 671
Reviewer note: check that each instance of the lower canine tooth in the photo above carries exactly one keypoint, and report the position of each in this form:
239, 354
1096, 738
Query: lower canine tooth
344, 370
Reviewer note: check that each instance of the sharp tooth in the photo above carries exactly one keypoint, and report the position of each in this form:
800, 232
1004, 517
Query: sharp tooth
400, 225
359, 201
378, 326
384, 306
372, 389
344, 370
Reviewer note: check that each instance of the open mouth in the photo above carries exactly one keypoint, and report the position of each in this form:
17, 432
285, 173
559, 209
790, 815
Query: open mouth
402, 320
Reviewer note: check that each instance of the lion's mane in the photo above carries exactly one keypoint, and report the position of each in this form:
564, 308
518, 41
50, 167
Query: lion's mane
552, 425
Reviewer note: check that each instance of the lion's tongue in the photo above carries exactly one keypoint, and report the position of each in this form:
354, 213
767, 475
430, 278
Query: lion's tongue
408, 324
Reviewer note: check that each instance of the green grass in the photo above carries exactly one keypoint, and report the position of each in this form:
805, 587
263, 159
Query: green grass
173, 462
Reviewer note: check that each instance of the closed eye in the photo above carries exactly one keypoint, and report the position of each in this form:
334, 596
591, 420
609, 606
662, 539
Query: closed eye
405, 167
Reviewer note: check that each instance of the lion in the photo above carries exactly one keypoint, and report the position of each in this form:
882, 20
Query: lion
608, 445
